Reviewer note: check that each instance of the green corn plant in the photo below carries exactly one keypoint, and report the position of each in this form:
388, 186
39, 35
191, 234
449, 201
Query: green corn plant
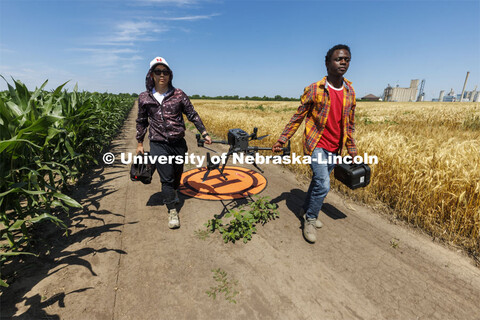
48, 139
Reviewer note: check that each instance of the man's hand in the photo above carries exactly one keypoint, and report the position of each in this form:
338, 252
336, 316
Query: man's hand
140, 148
277, 147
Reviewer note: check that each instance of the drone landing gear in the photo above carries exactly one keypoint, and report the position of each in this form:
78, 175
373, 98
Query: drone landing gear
211, 166
229, 153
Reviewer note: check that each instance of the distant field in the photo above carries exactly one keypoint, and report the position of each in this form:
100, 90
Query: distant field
429, 157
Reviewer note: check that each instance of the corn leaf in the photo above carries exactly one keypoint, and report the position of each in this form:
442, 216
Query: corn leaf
67, 200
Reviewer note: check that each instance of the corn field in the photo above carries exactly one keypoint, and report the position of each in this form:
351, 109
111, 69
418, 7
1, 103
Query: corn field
48, 139
429, 157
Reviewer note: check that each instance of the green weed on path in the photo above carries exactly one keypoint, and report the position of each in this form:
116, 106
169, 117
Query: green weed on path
244, 220
224, 285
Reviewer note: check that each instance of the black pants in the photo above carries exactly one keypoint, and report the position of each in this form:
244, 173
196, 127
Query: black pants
171, 172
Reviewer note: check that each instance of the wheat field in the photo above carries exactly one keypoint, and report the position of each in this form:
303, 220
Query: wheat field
429, 157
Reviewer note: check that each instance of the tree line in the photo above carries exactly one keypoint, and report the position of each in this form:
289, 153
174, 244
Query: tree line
236, 97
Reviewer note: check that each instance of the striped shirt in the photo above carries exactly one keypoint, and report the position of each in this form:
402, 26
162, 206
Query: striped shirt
315, 106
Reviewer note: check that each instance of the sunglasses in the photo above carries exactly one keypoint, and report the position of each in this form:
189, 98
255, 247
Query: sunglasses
160, 72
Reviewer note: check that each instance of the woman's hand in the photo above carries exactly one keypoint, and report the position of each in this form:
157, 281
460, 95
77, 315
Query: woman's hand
206, 136
140, 148
208, 140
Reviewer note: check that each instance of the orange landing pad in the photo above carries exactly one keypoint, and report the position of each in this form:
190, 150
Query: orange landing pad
241, 183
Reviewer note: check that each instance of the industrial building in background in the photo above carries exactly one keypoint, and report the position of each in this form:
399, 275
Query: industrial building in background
421, 94
468, 96
472, 96
464, 85
450, 97
465, 96
399, 94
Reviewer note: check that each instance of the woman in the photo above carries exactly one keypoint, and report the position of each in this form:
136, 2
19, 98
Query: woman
162, 106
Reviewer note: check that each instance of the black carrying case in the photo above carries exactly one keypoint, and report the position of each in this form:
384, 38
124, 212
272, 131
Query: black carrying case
353, 175
142, 172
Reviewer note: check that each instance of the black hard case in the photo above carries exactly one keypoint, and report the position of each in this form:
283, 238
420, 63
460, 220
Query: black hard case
353, 175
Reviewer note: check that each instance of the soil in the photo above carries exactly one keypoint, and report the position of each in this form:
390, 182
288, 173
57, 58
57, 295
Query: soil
121, 260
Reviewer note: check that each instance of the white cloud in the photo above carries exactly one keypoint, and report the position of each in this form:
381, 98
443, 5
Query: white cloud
116, 49
131, 31
100, 50
34, 76
125, 59
170, 2
112, 59
190, 18
6, 50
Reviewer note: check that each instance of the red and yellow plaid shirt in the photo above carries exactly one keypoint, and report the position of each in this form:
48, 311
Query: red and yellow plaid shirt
315, 107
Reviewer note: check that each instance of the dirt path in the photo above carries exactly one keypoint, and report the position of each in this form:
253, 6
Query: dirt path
122, 261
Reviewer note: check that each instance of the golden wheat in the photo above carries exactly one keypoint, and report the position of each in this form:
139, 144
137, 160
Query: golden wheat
429, 157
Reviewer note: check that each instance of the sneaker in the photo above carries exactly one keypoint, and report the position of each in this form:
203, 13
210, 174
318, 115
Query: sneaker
309, 231
318, 223
173, 221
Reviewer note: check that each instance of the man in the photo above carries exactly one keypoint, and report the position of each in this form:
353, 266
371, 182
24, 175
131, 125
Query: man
329, 107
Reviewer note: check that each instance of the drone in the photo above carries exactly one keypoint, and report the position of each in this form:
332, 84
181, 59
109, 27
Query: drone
238, 141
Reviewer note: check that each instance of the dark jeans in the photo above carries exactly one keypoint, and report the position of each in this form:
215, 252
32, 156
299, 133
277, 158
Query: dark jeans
171, 172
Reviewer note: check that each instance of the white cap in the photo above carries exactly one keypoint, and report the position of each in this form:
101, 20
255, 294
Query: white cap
158, 60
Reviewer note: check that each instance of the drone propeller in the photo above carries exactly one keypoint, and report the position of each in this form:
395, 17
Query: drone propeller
262, 137
253, 136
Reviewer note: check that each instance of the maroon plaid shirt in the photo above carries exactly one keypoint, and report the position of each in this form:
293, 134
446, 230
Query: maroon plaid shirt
315, 107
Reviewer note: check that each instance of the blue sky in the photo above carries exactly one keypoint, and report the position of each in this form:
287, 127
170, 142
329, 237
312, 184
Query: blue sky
239, 47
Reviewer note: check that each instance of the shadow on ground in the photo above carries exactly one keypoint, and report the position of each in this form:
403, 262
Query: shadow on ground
294, 200
52, 248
